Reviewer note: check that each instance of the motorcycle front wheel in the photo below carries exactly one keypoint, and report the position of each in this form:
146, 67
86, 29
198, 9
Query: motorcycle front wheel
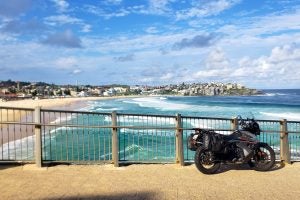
204, 161
264, 158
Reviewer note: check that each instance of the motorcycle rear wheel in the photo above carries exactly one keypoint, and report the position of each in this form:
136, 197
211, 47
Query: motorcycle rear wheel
204, 161
264, 158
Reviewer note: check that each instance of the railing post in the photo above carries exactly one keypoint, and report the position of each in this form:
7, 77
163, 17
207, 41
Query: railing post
115, 140
284, 143
179, 141
38, 136
234, 123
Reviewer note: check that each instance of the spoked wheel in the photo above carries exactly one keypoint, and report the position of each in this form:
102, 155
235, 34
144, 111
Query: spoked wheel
204, 161
263, 159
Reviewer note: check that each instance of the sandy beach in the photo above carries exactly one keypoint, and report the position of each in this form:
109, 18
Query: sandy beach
63, 103
8, 115
11, 115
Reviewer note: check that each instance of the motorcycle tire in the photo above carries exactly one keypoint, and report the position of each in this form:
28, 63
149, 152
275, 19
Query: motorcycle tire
204, 161
264, 158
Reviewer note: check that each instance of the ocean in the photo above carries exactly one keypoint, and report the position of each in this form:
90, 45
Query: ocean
64, 143
274, 105
134, 145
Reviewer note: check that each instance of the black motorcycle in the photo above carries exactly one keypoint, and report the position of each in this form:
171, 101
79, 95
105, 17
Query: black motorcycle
240, 147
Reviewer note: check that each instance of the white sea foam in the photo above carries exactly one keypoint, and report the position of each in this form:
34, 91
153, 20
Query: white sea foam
204, 124
148, 132
107, 109
21, 149
284, 115
100, 106
167, 105
87, 108
161, 104
59, 120
149, 120
272, 94
61, 129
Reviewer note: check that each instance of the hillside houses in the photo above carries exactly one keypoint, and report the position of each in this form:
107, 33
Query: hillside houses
14, 90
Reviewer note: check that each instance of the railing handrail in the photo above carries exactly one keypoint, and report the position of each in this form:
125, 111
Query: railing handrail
136, 114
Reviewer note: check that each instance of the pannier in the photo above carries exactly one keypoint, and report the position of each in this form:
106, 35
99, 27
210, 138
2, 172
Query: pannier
208, 139
213, 141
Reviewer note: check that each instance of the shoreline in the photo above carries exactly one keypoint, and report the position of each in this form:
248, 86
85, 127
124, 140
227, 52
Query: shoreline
10, 115
58, 102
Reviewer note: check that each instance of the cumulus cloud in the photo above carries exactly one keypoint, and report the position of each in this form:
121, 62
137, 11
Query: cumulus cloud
280, 68
13, 8
160, 74
212, 73
63, 39
217, 59
126, 58
198, 41
285, 53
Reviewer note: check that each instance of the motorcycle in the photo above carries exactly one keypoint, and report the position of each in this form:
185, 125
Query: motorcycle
240, 147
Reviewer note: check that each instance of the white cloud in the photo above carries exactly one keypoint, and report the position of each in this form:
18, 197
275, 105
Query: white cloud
62, 19
66, 63
280, 68
76, 71
167, 77
159, 7
220, 74
115, 2
266, 26
217, 59
62, 5
66, 19
154, 7
63, 39
204, 9
151, 30
285, 53
86, 28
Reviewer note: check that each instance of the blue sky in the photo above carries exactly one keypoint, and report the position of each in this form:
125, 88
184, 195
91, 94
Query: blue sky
253, 42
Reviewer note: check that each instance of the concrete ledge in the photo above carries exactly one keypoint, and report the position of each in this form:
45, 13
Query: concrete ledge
33, 167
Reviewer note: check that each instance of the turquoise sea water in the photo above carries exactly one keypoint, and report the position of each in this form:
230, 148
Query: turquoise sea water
274, 104
64, 143
151, 145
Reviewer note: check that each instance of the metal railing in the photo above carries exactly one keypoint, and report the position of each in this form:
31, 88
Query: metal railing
43, 135
17, 134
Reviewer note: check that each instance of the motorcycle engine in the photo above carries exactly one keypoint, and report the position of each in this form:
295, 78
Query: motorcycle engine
239, 153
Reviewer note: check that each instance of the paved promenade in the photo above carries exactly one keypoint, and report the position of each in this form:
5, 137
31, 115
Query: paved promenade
147, 182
